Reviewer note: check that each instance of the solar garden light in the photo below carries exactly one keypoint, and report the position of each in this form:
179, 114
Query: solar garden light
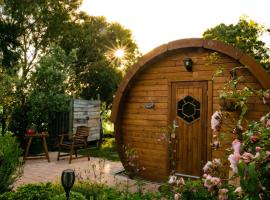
188, 64
67, 179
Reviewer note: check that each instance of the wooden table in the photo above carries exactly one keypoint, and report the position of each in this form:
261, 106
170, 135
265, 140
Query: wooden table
29, 138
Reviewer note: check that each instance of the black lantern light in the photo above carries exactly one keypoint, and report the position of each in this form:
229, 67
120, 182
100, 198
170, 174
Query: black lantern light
188, 64
67, 179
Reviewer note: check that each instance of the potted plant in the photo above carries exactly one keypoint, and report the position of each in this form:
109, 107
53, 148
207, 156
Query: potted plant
31, 129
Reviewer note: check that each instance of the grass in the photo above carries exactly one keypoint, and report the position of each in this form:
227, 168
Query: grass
107, 150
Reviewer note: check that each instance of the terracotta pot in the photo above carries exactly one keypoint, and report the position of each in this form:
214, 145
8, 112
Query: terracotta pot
30, 131
228, 104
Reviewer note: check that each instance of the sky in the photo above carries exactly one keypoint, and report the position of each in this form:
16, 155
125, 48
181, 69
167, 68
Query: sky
155, 22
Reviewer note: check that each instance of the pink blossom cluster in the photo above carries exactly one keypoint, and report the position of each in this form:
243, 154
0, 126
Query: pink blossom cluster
223, 194
211, 182
212, 167
266, 120
235, 156
216, 121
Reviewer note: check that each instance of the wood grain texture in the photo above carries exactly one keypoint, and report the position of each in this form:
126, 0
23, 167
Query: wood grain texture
151, 82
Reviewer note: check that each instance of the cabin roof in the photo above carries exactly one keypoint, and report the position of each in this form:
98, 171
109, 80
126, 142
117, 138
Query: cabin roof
256, 69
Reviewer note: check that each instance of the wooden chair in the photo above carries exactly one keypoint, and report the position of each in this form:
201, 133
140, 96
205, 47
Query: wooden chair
73, 142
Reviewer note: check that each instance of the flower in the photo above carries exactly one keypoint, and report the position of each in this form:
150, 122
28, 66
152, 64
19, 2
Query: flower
234, 160
207, 166
177, 196
215, 181
210, 182
247, 157
172, 179
258, 149
222, 194
216, 144
254, 138
216, 120
268, 123
238, 191
236, 146
180, 181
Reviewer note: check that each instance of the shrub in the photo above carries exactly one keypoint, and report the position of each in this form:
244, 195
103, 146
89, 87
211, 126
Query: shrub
9, 161
195, 190
42, 191
73, 196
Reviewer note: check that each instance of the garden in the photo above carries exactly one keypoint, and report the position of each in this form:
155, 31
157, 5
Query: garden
51, 53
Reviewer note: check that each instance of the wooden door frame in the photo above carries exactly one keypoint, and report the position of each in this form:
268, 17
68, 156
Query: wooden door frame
208, 114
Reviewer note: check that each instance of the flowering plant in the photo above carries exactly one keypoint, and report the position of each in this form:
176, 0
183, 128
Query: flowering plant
232, 98
250, 159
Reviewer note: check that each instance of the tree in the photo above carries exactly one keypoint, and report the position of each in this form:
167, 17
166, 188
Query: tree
246, 36
98, 70
27, 29
50, 86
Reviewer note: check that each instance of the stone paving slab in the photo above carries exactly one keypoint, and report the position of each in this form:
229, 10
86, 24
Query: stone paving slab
96, 170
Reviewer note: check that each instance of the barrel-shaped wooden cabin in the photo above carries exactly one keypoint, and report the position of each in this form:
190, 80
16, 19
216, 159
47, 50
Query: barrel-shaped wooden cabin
160, 91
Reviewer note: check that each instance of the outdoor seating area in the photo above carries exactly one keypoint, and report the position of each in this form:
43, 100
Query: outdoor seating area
73, 142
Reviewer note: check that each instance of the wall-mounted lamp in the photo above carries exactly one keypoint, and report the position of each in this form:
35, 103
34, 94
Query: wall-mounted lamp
150, 105
188, 64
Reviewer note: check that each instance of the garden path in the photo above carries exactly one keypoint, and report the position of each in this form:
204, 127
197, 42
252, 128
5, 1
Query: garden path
39, 170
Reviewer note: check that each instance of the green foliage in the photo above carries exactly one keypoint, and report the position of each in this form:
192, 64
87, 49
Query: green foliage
41, 191
73, 196
97, 69
107, 150
253, 168
237, 98
9, 161
246, 36
193, 190
80, 191
100, 79
49, 86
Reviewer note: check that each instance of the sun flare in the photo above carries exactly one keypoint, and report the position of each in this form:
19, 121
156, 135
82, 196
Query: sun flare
119, 53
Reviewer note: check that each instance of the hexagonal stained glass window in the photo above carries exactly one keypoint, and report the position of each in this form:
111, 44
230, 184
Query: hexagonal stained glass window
188, 109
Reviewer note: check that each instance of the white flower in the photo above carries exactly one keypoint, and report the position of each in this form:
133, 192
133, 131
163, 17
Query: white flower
207, 166
180, 181
172, 179
238, 191
177, 196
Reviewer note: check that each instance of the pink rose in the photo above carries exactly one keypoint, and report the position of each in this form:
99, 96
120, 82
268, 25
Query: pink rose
254, 138
247, 157
222, 194
268, 123
215, 181
258, 149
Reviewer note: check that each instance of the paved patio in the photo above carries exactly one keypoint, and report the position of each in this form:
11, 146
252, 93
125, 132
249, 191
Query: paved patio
99, 170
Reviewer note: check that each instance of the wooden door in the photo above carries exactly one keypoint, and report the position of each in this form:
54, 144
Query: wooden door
189, 113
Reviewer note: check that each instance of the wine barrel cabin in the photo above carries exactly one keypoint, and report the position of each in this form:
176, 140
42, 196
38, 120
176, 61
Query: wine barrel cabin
173, 86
